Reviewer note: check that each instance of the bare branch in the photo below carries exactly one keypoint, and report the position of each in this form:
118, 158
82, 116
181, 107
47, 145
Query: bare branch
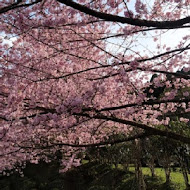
124, 20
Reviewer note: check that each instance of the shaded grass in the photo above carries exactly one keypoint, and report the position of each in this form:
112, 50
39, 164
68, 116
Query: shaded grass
96, 176
108, 177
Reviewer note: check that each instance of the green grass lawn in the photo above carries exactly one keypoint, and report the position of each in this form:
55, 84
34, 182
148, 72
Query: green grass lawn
177, 180
123, 179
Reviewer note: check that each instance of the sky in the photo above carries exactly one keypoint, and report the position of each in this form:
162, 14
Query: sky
171, 38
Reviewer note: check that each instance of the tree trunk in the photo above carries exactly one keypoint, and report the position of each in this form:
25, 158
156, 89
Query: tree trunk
185, 176
151, 166
184, 171
152, 171
138, 169
167, 173
139, 176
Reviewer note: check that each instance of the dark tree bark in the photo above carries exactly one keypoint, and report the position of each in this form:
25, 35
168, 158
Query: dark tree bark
138, 168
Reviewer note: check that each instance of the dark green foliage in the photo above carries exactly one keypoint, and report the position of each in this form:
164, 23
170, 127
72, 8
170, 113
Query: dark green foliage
99, 177
42, 176
156, 184
157, 91
112, 154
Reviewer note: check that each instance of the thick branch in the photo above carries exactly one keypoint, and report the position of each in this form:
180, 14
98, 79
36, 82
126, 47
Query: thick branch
127, 139
147, 128
3, 118
124, 20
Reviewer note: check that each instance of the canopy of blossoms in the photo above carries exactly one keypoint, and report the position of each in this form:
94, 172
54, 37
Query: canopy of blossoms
74, 72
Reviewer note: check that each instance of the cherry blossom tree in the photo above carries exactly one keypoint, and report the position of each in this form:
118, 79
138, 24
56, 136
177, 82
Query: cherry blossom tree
75, 72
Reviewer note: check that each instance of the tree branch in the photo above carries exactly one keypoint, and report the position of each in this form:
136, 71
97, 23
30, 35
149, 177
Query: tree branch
147, 128
127, 139
150, 102
17, 5
124, 20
